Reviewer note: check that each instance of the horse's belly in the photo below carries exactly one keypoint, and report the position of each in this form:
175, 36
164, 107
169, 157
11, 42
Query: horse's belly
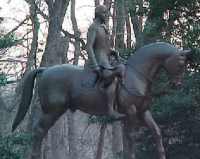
90, 101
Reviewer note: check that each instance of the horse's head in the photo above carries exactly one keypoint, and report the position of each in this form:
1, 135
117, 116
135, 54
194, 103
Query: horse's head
175, 66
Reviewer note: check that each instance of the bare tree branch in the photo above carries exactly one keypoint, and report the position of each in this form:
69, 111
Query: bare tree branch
66, 33
74, 37
20, 24
12, 60
77, 33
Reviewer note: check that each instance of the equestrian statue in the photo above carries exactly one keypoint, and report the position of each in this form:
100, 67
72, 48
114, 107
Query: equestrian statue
121, 91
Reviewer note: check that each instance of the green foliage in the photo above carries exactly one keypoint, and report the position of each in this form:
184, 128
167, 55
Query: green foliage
37, 23
14, 146
152, 27
178, 115
192, 36
173, 20
8, 41
125, 53
3, 79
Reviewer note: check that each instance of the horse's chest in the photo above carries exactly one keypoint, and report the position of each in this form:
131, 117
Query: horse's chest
134, 85
142, 103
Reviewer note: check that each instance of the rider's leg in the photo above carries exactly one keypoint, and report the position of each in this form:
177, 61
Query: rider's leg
110, 91
120, 71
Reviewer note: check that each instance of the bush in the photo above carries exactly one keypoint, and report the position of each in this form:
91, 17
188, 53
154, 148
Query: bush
8, 41
14, 146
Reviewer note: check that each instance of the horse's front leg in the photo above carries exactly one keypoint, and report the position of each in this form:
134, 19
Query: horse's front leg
150, 122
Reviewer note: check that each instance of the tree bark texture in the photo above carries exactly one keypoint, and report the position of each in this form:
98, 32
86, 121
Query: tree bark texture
114, 26
128, 26
108, 4
31, 63
96, 2
136, 22
53, 53
77, 33
120, 15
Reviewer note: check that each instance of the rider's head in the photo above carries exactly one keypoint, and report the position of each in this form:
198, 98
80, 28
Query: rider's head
101, 12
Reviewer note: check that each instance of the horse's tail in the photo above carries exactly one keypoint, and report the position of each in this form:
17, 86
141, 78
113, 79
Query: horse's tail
27, 92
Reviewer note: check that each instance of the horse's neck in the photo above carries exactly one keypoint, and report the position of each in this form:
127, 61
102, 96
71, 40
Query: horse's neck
145, 68
138, 80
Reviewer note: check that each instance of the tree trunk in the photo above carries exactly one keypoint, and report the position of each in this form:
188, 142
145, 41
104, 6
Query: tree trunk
120, 14
108, 4
96, 2
136, 22
53, 53
114, 23
128, 26
76, 33
31, 63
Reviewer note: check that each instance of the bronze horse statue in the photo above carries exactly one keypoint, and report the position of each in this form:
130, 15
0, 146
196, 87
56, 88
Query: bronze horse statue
64, 87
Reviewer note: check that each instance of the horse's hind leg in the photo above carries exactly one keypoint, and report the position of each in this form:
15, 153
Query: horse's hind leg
149, 121
40, 130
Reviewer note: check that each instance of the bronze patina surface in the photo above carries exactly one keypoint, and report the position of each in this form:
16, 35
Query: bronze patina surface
99, 52
62, 88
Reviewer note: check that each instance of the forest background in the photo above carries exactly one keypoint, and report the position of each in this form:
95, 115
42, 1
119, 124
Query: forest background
49, 32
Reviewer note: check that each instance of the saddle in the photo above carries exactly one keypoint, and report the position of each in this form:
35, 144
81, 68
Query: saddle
90, 79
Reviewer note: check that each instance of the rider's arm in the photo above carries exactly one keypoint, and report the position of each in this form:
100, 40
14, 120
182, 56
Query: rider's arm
91, 36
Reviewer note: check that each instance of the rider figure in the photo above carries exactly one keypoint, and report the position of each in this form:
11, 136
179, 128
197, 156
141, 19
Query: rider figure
99, 51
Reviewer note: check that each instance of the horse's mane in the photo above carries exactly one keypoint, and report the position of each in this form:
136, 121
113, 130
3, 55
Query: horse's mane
157, 48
